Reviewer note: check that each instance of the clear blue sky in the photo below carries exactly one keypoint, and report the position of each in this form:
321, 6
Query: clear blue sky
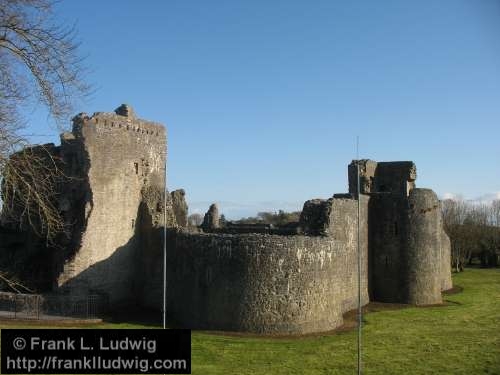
263, 99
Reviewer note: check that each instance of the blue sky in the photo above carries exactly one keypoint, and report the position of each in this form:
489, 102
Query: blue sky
263, 100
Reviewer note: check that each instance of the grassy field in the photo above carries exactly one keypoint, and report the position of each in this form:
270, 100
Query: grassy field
462, 337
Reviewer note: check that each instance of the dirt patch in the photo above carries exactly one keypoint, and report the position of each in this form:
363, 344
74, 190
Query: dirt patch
350, 323
351, 317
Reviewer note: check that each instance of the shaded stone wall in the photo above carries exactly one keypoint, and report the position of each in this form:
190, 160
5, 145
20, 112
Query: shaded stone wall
180, 207
315, 217
268, 283
388, 229
409, 251
211, 220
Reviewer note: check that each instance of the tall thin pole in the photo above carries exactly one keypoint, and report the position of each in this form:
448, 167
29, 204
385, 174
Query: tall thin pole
165, 247
360, 312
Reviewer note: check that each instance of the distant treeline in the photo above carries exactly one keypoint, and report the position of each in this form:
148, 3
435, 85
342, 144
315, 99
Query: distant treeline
474, 231
279, 218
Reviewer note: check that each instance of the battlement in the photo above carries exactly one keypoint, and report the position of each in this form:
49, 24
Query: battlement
114, 122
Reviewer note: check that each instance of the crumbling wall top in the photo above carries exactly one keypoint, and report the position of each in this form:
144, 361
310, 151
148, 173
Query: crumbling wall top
125, 110
211, 220
123, 119
396, 177
180, 207
315, 217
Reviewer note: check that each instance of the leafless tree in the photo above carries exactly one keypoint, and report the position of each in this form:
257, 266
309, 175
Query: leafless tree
38, 60
30, 183
473, 231
195, 220
39, 64
495, 212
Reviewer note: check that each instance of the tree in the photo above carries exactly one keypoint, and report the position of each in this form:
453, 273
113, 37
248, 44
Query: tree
495, 212
195, 220
38, 60
39, 64
473, 231
222, 220
278, 219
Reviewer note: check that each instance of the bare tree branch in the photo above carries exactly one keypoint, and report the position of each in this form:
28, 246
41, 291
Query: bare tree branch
39, 63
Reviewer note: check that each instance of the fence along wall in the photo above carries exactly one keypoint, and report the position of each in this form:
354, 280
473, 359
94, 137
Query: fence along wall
51, 306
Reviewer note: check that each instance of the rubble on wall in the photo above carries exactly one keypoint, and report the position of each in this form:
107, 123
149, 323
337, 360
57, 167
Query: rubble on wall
211, 220
180, 207
315, 217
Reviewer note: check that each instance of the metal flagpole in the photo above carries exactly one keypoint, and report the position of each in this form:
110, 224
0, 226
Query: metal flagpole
359, 259
165, 247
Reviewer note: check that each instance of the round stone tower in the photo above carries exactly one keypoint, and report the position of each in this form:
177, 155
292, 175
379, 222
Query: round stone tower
424, 248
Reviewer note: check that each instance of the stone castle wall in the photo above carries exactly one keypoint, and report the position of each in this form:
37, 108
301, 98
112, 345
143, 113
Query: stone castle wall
299, 279
268, 283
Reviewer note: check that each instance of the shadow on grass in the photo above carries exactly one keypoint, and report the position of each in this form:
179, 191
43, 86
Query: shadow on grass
141, 317
136, 316
455, 290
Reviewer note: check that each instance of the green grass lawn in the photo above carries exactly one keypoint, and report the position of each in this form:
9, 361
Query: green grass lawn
462, 337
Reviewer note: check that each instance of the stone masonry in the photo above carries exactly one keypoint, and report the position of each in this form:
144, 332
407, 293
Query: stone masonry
298, 279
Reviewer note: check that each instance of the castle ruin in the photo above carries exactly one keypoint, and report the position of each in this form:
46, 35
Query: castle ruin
298, 279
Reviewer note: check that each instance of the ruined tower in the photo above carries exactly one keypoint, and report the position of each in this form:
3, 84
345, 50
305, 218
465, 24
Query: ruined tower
409, 251
115, 197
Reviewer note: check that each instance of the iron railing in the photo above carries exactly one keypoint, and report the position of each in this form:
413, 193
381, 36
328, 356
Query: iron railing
50, 306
